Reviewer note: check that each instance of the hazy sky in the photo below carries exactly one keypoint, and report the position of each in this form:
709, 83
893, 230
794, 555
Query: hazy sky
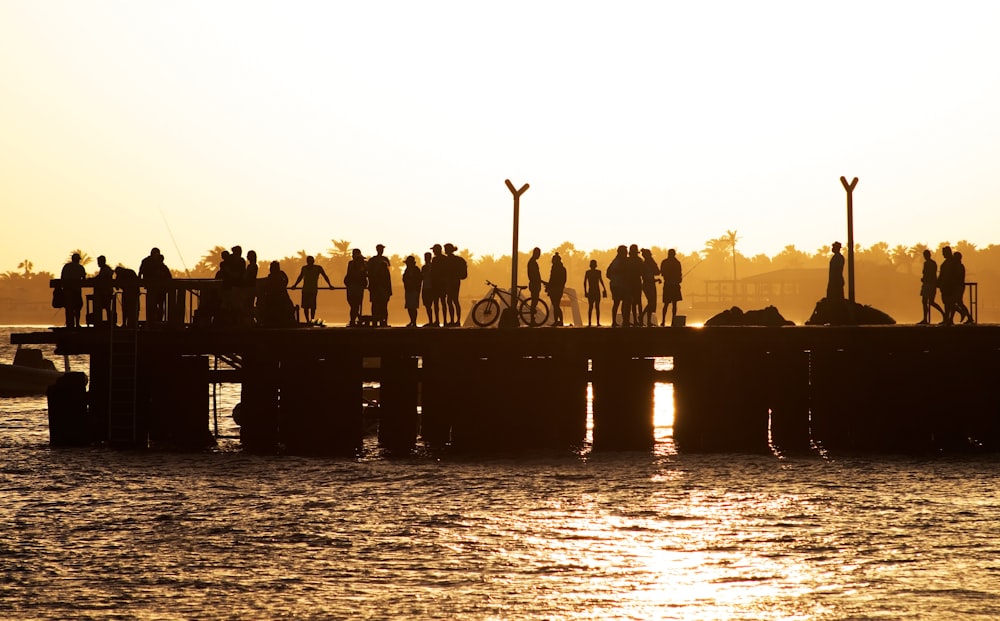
283, 125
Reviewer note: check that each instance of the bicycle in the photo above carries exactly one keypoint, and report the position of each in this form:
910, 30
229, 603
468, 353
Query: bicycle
486, 312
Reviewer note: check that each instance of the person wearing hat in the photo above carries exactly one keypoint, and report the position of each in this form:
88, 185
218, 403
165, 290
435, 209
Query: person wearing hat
835, 282
457, 271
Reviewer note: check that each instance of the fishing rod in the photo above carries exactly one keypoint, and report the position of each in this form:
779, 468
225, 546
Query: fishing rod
187, 272
692, 267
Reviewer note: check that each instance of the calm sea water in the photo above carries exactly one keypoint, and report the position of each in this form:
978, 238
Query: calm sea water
101, 534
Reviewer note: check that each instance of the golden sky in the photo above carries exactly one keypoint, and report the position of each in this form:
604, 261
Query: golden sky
282, 125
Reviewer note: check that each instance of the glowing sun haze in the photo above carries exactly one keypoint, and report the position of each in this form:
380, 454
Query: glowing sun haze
283, 125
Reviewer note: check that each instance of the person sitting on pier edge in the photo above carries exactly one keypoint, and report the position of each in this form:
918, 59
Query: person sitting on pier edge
594, 290
128, 281
928, 289
379, 287
356, 280
428, 292
534, 278
71, 278
556, 284
457, 271
275, 309
309, 277
670, 270
835, 280
104, 292
650, 271
412, 278
617, 279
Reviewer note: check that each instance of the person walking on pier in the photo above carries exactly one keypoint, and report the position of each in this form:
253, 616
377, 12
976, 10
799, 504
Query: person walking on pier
835, 281
104, 292
650, 271
309, 276
379, 287
412, 279
594, 290
429, 293
960, 307
670, 271
356, 280
928, 289
556, 285
71, 278
951, 282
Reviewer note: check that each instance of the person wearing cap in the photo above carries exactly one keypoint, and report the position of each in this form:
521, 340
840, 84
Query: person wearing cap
379, 287
835, 282
456, 271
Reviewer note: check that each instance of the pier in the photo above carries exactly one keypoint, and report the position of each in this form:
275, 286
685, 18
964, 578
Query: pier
737, 389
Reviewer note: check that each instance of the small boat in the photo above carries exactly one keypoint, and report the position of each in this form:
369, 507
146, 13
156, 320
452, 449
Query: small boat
30, 374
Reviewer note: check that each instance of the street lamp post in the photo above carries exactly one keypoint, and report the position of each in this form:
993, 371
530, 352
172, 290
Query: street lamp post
509, 318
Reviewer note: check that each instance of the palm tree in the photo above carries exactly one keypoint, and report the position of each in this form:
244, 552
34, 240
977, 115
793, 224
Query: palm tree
209, 264
731, 239
84, 257
341, 248
26, 265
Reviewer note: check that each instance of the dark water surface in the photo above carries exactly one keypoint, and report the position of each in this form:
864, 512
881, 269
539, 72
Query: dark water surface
94, 533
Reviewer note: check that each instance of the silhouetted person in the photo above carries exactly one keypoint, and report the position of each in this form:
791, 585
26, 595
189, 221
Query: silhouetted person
618, 280
412, 279
439, 267
670, 271
456, 272
649, 273
952, 286
71, 278
534, 278
835, 281
233, 268
556, 285
379, 287
155, 276
429, 292
250, 285
594, 290
633, 270
128, 282
928, 288
104, 292
356, 280
309, 276
960, 307
275, 309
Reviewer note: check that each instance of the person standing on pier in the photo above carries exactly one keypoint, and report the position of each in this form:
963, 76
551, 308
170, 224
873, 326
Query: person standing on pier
594, 290
379, 287
356, 280
71, 278
104, 292
534, 278
617, 279
155, 275
928, 289
556, 285
456, 272
634, 283
650, 271
670, 270
835, 281
412, 278
309, 277
429, 293
128, 281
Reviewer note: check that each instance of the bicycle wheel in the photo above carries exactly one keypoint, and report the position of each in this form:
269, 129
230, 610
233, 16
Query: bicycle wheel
486, 312
536, 318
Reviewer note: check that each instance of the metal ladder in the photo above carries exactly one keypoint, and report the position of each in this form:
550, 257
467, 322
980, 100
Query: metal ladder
122, 386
